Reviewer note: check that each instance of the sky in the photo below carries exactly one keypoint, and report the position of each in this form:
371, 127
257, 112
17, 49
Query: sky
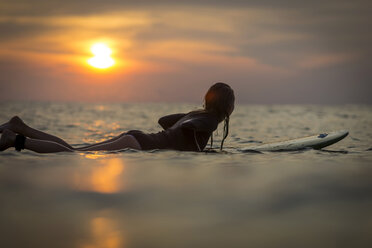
270, 52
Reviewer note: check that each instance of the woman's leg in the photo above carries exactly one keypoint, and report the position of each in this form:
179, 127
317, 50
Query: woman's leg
41, 146
103, 142
118, 143
18, 126
45, 146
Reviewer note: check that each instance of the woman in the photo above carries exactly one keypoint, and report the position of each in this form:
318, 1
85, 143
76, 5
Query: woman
184, 132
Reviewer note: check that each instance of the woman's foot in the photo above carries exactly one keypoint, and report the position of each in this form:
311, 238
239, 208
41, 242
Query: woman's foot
7, 139
15, 124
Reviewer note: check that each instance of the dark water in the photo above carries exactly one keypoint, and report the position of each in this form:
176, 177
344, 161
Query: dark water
183, 199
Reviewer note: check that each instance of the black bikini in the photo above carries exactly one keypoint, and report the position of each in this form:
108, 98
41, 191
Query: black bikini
183, 132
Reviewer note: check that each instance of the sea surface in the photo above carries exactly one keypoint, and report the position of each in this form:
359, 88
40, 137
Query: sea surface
128, 198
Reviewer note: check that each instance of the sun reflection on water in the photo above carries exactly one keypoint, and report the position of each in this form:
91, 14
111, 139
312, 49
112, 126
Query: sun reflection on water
105, 234
104, 178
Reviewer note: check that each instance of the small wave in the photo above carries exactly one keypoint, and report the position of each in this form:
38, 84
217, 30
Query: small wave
70, 126
155, 151
250, 151
8, 154
343, 116
301, 150
126, 150
209, 150
333, 151
250, 141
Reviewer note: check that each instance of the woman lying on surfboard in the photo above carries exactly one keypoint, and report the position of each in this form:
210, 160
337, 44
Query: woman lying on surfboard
184, 132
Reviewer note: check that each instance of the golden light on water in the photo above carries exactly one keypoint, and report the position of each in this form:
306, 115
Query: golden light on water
106, 178
104, 233
102, 56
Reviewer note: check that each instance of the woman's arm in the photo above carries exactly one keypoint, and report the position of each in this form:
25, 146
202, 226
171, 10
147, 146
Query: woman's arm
169, 120
200, 124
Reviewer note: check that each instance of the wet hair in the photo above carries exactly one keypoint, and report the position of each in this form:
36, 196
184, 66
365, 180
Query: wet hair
220, 100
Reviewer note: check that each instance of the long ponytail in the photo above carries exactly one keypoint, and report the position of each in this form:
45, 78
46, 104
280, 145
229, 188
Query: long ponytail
225, 130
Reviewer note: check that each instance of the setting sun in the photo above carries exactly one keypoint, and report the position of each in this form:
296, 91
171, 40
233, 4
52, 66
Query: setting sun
102, 56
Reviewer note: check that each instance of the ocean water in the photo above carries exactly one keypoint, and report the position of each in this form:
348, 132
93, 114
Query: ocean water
309, 198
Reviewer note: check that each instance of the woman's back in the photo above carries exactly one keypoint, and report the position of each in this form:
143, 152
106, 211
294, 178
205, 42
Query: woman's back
192, 131
183, 132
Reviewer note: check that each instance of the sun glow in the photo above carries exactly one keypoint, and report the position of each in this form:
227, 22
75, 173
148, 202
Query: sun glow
106, 178
102, 56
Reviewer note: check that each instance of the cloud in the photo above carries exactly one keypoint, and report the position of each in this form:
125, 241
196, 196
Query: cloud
262, 47
53, 7
324, 60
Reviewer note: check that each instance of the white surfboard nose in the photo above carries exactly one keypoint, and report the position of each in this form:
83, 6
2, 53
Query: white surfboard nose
342, 133
316, 142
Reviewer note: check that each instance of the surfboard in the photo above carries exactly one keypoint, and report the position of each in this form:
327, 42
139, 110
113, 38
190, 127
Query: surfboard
316, 142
